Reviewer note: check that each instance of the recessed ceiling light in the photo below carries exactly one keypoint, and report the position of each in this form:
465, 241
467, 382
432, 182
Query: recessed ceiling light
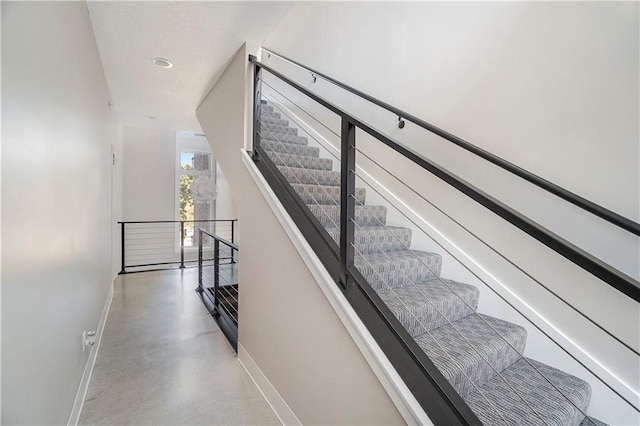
162, 63
150, 117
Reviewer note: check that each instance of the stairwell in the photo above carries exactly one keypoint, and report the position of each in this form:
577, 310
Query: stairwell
481, 356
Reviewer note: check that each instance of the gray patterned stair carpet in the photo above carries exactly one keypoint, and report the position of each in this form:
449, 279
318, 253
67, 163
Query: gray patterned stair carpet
481, 356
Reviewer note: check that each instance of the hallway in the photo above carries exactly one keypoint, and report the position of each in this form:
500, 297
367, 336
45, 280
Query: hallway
163, 360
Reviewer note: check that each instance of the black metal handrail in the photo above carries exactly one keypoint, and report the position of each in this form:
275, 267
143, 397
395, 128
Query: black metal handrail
150, 246
612, 276
212, 295
571, 197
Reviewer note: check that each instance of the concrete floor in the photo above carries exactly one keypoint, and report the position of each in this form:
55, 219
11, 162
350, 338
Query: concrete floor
163, 360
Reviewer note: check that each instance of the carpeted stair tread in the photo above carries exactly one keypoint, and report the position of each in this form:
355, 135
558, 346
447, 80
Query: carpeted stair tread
371, 239
430, 304
302, 162
295, 175
470, 350
278, 129
398, 268
522, 396
590, 421
290, 148
329, 215
269, 135
324, 194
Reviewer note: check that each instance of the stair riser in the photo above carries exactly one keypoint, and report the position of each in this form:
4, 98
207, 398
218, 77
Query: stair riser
276, 121
329, 216
283, 137
307, 163
383, 280
278, 129
310, 177
367, 242
386, 275
290, 148
328, 195
268, 114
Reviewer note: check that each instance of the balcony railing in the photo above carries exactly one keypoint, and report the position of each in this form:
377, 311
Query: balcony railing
166, 244
218, 281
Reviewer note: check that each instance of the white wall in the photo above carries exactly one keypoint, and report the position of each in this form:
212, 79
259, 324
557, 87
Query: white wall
557, 78
559, 100
56, 205
149, 174
225, 207
286, 323
552, 87
117, 199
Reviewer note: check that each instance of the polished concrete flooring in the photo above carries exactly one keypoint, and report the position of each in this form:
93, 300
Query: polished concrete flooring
164, 361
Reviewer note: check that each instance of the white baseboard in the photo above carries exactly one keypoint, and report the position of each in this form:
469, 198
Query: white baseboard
270, 394
88, 369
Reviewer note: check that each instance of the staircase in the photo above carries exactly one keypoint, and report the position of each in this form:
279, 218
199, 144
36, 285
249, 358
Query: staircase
481, 356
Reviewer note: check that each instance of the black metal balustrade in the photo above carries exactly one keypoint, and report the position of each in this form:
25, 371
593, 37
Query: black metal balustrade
218, 281
166, 244
431, 389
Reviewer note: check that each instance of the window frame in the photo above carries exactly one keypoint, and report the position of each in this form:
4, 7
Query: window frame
187, 142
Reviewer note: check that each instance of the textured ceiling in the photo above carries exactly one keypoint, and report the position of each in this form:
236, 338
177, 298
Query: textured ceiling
198, 37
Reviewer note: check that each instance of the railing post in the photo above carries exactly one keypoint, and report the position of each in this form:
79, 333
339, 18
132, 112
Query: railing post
257, 85
233, 259
200, 289
182, 244
216, 271
347, 199
122, 253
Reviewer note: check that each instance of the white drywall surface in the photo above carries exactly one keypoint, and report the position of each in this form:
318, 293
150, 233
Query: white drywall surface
57, 171
149, 174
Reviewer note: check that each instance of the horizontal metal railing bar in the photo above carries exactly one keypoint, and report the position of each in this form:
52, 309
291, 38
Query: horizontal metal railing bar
179, 221
166, 246
163, 227
593, 265
161, 263
575, 199
173, 242
158, 269
149, 231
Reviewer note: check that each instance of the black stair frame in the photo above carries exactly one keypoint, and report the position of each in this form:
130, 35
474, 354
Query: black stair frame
430, 388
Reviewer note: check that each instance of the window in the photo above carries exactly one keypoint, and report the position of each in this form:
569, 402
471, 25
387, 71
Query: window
193, 161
